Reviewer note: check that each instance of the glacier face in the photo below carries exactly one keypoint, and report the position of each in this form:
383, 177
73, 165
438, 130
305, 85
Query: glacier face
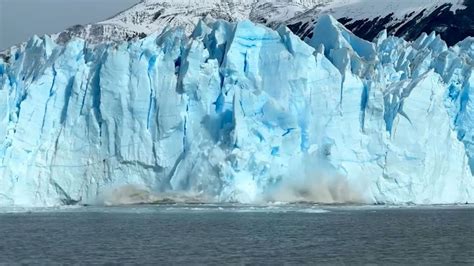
239, 112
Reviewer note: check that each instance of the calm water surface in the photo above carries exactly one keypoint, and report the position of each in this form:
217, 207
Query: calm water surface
239, 235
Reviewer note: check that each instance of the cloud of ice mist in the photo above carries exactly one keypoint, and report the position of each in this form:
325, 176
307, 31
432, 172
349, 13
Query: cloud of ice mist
125, 195
135, 194
315, 180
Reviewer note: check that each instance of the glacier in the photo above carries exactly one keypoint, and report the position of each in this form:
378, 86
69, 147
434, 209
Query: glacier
238, 112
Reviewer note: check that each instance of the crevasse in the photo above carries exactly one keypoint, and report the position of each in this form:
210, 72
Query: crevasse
239, 112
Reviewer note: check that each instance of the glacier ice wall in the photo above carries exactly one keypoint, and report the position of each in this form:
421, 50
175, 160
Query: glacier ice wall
239, 112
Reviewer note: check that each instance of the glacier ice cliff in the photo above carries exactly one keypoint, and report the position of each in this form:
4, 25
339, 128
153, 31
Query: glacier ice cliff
239, 112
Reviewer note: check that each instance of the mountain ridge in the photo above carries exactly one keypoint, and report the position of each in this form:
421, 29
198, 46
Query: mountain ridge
366, 18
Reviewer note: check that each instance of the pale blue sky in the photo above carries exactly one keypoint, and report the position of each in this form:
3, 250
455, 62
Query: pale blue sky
21, 19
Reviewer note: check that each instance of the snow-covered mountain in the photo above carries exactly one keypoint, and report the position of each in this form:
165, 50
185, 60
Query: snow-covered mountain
238, 112
453, 19
151, 16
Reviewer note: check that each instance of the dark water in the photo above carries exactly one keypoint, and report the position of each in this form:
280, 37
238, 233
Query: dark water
239, 235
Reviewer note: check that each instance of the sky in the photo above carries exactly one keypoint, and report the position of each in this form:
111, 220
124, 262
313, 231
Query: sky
21, 19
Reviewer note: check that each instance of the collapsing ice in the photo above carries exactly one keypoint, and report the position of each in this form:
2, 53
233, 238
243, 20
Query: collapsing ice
239, 112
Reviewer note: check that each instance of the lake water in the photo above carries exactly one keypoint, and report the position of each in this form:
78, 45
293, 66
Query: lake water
209, 234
